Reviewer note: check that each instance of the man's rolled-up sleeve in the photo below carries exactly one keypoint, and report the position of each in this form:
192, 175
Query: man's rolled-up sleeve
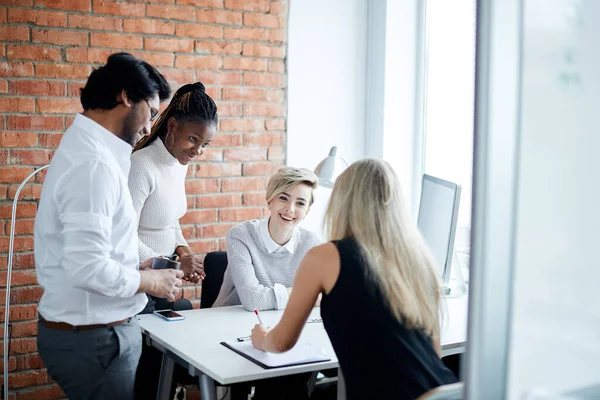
87, 198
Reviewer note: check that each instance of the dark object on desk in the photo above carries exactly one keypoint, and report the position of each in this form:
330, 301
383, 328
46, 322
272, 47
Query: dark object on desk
215, 264
165, 263
169, 315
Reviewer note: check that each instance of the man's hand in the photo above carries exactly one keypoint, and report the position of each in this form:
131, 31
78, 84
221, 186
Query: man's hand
146, 264
163, 283
192, 267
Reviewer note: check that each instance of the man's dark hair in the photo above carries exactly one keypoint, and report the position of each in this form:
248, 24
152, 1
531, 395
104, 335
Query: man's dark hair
122, 71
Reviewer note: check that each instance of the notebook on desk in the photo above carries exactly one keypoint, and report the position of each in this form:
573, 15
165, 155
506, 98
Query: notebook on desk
301, 353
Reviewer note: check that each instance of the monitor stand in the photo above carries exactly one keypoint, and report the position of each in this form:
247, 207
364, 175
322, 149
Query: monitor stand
455, 287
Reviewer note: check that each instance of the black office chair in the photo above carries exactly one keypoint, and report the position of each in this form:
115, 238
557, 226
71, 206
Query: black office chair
215, 264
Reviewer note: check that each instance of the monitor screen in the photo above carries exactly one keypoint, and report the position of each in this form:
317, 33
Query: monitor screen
438, 212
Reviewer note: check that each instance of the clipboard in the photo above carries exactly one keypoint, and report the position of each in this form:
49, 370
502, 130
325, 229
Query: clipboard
302, 353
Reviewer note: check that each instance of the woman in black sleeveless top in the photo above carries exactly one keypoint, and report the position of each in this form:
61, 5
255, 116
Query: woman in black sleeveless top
381, 295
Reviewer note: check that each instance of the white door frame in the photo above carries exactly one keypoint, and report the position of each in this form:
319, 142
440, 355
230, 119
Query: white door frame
496, 163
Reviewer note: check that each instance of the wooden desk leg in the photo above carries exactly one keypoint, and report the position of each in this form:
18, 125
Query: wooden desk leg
341, 386
207, 387
166, 378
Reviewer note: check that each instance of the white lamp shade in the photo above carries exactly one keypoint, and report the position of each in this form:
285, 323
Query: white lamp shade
330, 168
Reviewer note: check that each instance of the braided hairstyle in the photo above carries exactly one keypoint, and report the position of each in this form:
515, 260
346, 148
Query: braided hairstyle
190, 102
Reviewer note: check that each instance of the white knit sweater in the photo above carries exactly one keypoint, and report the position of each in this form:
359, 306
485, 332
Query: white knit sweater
157, 185
256, 276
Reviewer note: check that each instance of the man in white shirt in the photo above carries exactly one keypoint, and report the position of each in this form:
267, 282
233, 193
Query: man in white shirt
86, 253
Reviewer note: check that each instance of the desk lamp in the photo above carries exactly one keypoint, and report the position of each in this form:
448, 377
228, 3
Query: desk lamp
7, 338
330, 168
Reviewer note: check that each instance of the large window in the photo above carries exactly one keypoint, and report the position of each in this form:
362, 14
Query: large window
449, 103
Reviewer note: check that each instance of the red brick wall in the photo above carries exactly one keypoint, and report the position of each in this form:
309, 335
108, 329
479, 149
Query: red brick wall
47, 50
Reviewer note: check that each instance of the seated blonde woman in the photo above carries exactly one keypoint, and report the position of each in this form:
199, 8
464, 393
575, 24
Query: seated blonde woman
263, 255
380, 292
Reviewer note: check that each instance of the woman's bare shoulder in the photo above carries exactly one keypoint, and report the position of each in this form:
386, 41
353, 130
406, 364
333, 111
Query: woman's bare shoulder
323, 255
324, 261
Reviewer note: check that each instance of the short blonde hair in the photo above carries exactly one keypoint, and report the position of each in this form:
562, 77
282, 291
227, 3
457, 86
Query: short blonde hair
288, 177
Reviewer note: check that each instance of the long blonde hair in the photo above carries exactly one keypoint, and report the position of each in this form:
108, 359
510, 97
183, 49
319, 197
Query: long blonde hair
367, 204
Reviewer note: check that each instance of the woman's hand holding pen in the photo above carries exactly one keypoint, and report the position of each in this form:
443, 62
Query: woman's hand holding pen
258, 335
192, 267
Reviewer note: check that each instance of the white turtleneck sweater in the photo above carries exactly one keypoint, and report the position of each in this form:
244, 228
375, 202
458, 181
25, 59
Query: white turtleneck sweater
157, 186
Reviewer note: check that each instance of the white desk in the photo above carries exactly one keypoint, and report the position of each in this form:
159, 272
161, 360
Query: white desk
454, 325
195, 344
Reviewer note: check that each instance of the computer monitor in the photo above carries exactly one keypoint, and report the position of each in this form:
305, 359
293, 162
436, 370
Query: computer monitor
438, 213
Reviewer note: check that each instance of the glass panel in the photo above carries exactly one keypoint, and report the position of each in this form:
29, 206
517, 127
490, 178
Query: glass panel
449, 104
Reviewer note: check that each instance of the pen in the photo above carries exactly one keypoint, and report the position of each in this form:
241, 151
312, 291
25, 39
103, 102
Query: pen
258, 316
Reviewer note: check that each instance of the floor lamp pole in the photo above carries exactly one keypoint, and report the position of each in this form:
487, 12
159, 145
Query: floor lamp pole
8, 276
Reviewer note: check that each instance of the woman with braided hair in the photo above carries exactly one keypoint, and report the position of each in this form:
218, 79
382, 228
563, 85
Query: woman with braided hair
157, 184
157, 178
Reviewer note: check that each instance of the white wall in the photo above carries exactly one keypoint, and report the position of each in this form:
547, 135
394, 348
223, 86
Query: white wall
401, 143
326, 80
326, 66
555, 341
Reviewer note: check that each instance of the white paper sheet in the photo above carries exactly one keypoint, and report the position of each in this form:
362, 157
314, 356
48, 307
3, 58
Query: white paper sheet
301, 353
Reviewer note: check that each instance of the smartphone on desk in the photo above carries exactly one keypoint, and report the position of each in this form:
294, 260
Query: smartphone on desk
169, 315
